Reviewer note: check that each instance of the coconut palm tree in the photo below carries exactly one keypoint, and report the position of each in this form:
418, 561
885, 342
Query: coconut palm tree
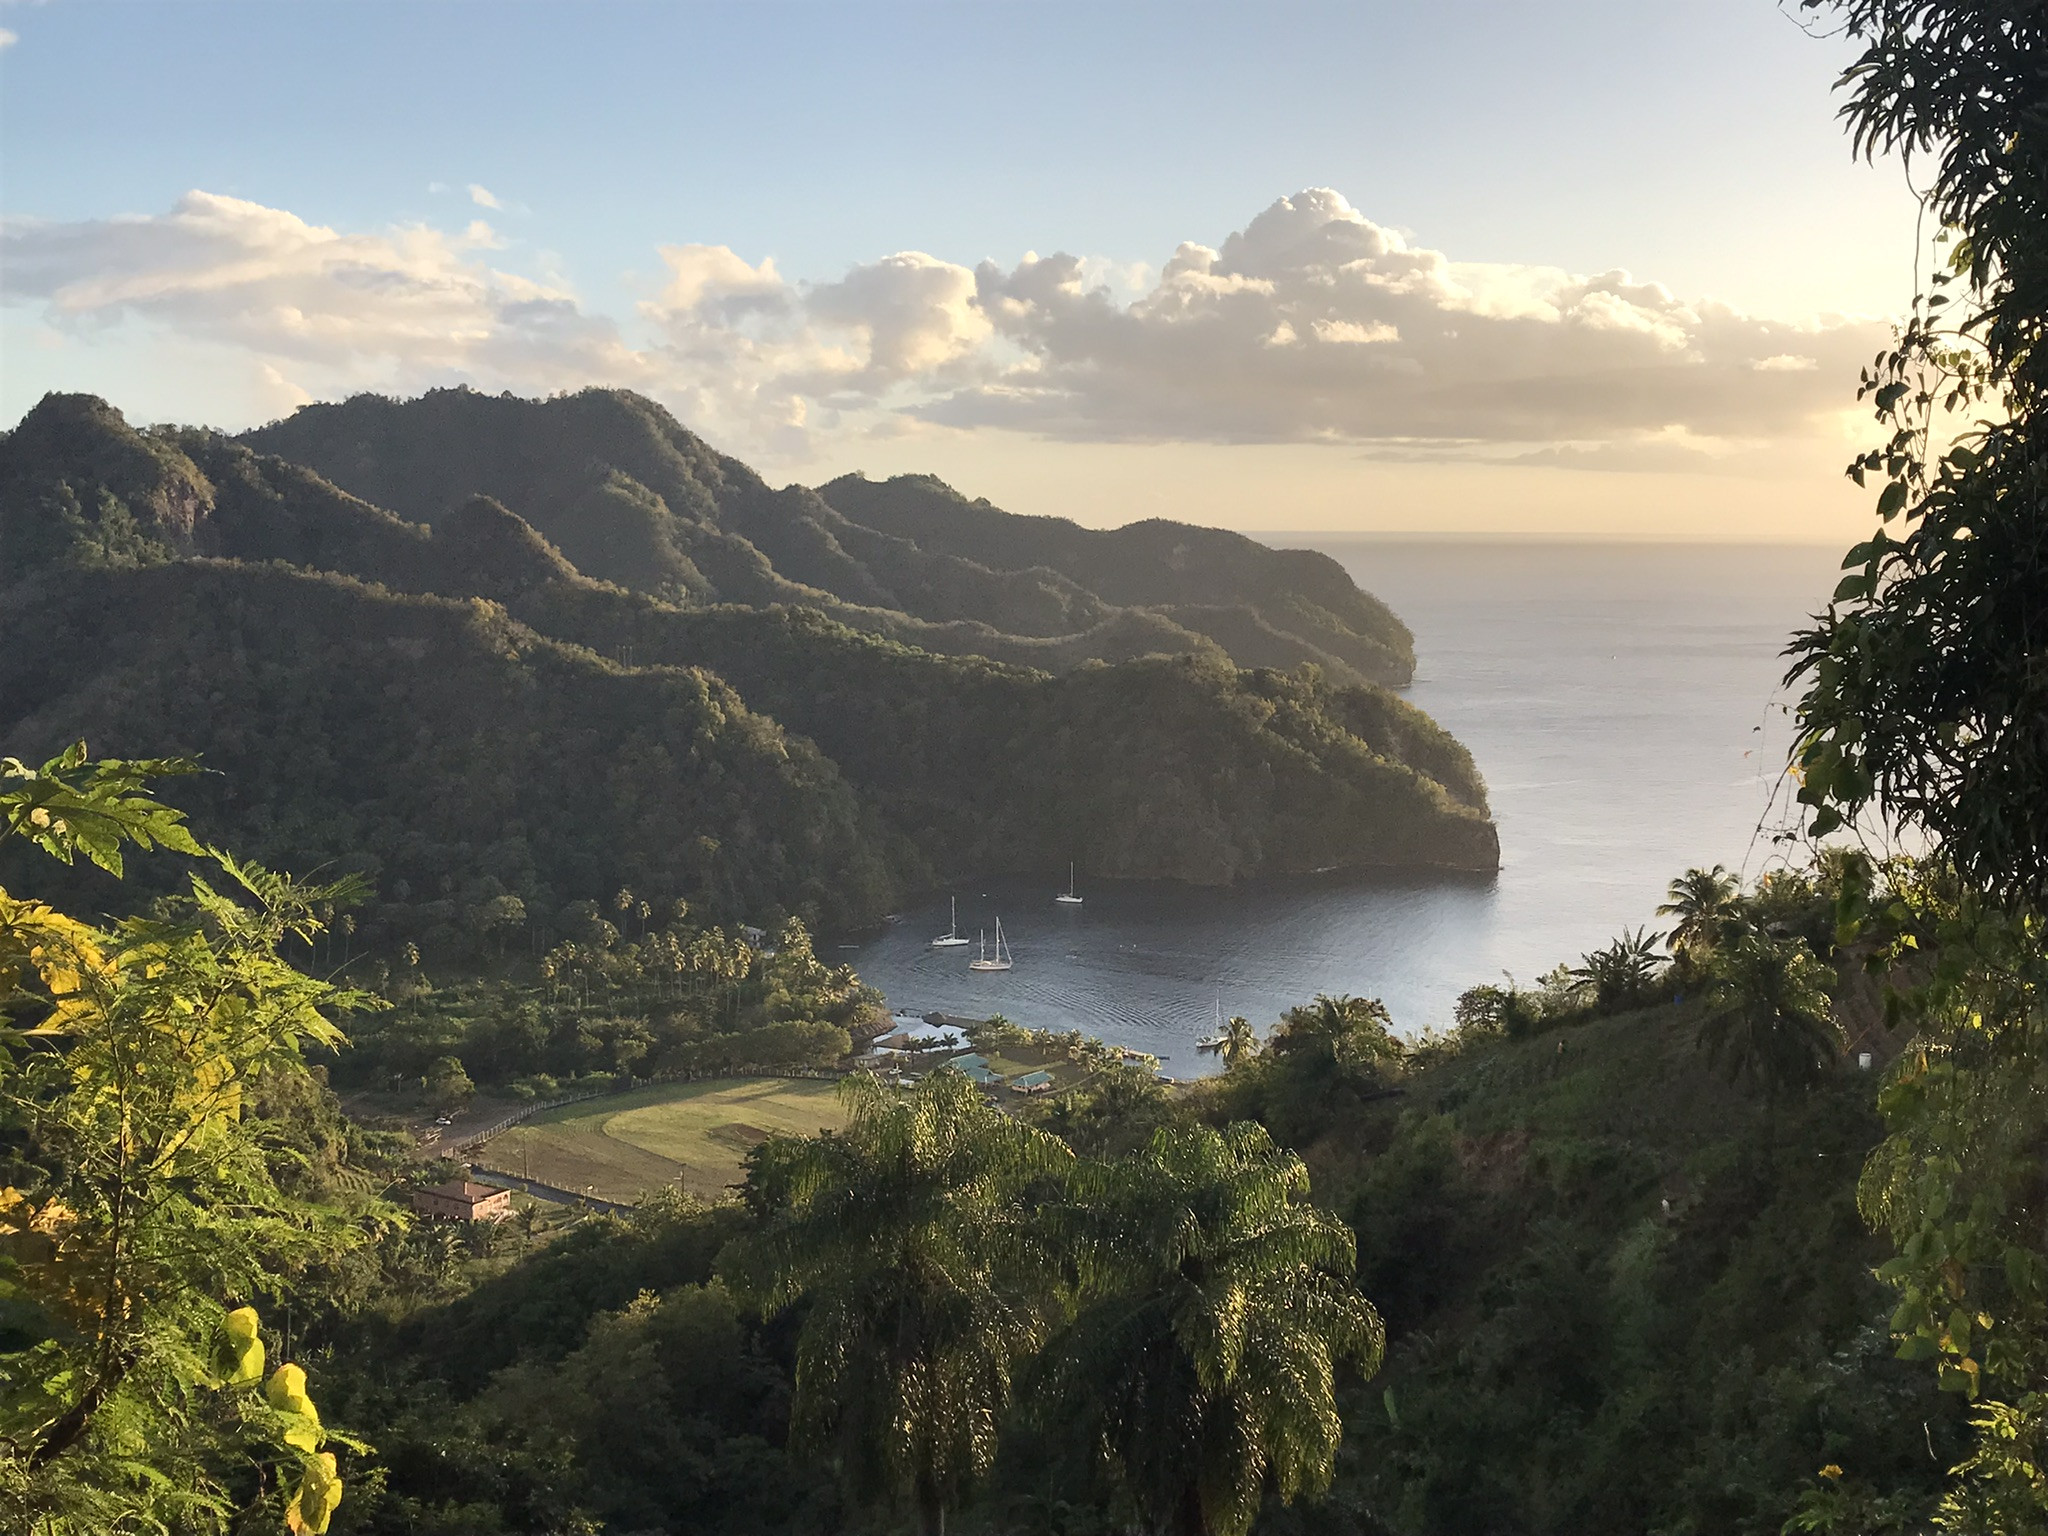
906, 1235
1349, 1031
1218, 1309
1773, 1021
1240, 1041
1708, 906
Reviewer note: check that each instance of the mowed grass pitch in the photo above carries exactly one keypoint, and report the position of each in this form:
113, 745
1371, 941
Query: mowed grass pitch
693, 1133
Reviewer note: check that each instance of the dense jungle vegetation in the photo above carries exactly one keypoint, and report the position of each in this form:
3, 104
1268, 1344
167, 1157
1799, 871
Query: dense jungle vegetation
1608, 1224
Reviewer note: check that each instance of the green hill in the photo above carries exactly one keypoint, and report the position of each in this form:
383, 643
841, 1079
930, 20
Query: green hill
454, 707
1621, 1295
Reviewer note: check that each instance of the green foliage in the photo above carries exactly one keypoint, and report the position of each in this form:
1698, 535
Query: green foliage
674, 1000
666, 1418
1924, 700
1117, 1108
1922, 695
1487, 1010
1217, 1307
1956, 1184
1612, 1306
905, 1236
1772, 1019
1319, 1060
1339, 1032
447, 1084
1708, 907
1178, 767
1240, 1041
572, 774
1623, 974
139, 1192
1267, 608
71, 806
79, 491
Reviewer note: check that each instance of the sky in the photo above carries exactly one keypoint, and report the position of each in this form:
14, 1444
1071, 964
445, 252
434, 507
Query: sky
1480, 266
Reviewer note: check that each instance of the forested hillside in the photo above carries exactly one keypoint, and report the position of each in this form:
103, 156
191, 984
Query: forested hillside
631, 497
1266, 607
453, 709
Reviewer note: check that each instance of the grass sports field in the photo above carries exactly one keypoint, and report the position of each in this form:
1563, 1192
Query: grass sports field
692, 1133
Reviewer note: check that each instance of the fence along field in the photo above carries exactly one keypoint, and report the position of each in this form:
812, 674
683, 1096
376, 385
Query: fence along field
693, 1134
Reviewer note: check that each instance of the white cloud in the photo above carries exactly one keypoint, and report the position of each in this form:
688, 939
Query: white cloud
1313, 323
1310, 324
325, 311
8, 38
745, 347
483, 197
1352, 332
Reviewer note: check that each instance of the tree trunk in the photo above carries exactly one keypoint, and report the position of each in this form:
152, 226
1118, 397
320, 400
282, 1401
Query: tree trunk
71, 1425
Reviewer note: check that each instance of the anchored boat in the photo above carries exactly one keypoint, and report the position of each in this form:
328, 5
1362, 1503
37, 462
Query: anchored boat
952, 937
1000, 960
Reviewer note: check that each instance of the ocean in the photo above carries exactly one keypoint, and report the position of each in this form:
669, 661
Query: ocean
1623, 702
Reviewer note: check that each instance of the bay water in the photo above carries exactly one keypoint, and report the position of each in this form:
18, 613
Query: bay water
1623, 702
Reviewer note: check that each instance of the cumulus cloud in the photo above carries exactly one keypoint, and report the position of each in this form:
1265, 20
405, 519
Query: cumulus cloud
8, 38
1311, 323
401, 309
483, 197
740, 342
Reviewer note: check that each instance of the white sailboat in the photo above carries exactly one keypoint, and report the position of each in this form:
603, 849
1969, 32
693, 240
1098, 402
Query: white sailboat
952, 938
1215, 1041
1000, 960
1068, 898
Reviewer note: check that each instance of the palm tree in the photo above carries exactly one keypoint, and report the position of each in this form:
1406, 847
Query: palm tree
1240, 1041
1219, 1307
1773, 1024
1708, 906
906, 1235
1623, 972
1351, 1031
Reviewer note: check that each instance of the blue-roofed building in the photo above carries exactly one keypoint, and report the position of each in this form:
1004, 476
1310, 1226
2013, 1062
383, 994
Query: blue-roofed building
976, 1069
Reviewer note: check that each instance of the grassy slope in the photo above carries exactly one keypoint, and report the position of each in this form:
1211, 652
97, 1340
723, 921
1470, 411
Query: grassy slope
697, 1132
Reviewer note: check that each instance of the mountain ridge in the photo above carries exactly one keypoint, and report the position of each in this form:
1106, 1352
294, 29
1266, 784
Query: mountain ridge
631, 496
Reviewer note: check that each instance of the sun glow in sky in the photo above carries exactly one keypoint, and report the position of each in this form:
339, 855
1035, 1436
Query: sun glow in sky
1584, 267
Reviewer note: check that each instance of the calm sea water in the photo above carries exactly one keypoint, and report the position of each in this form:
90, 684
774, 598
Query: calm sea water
1623, 702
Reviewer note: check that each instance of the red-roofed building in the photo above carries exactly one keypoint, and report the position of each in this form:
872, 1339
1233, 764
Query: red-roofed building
461, 1200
